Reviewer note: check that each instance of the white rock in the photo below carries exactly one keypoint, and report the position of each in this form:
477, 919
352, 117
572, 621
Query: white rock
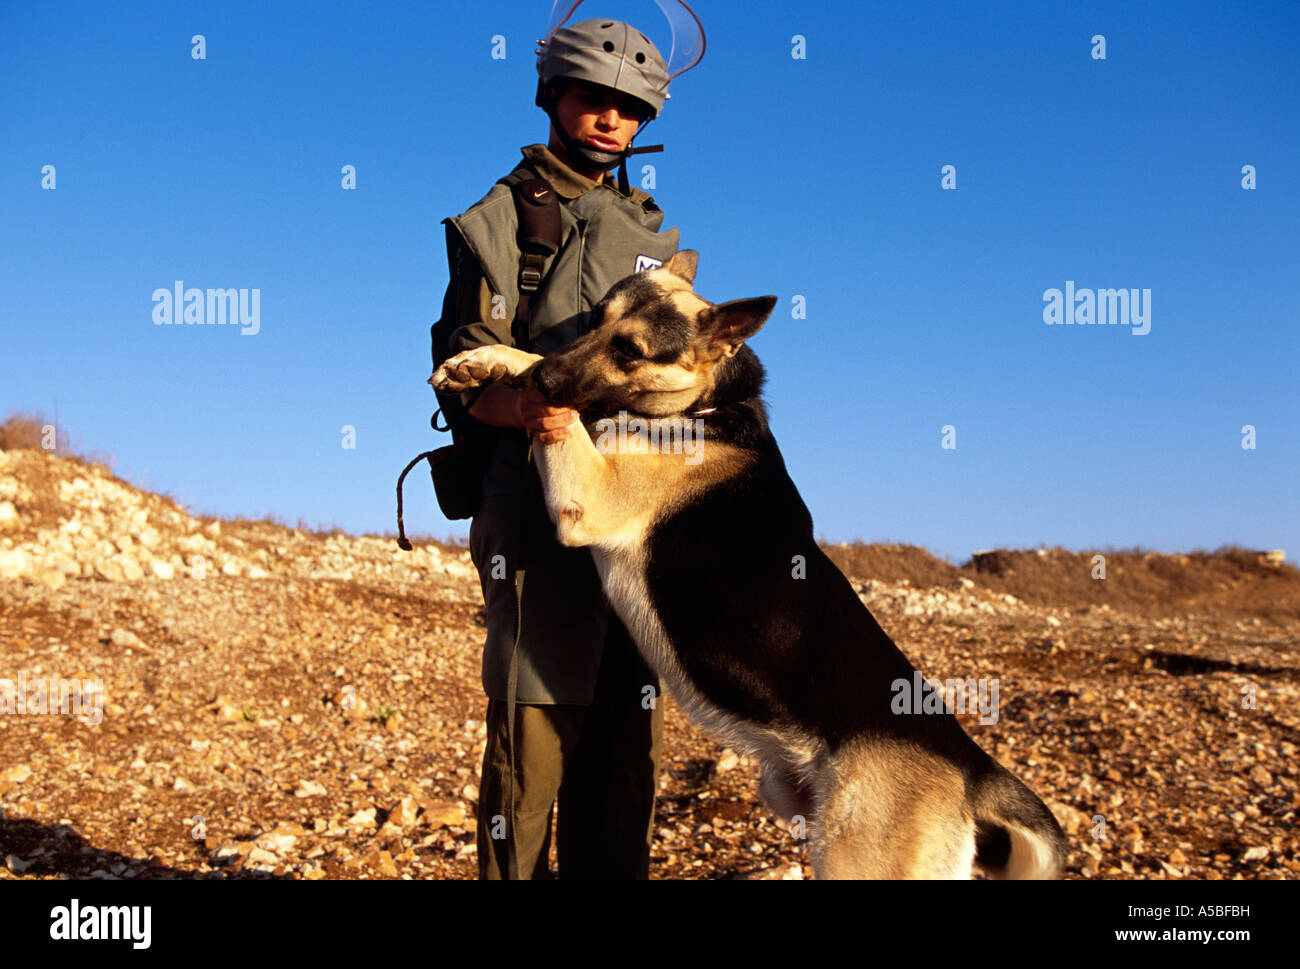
51, 577
162, 570
15, 563
8, 515
16, 774
279, 842
195, 543
260, 856
124, 637
109, 569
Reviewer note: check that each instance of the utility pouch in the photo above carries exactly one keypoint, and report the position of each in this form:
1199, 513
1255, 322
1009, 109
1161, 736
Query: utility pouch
458, 470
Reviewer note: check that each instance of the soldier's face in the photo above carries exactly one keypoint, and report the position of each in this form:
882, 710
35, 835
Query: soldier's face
599, 117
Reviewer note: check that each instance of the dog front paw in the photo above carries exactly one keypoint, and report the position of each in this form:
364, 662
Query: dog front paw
481, 365
467, 370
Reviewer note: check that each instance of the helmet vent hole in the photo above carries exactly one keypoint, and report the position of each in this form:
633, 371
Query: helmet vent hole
640, 58
609, 46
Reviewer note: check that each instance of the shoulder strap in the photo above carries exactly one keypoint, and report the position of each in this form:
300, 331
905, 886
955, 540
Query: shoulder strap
539, 239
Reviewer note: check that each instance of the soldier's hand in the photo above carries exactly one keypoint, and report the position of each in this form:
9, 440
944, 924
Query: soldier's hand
538, 417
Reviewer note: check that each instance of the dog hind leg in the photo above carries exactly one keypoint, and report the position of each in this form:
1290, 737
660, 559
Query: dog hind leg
885, 809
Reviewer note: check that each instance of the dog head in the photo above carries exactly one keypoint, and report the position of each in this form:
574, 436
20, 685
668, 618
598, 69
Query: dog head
657, 348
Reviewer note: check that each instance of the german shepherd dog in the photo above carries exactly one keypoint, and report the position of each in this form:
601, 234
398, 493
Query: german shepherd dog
712, 566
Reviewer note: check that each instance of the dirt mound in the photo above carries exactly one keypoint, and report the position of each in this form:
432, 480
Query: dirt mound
892, 563
64, 518
1228, 582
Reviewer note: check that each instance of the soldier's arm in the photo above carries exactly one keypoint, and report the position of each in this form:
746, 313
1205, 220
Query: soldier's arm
498, 404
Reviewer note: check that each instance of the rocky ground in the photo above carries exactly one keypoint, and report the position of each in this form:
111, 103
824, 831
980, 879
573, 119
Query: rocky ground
281, 703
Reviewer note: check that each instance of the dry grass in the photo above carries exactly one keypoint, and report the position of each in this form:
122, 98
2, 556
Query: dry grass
32, 430
26, 431
321, 531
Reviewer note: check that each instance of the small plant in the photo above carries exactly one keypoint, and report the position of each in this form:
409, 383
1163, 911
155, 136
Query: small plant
382, 714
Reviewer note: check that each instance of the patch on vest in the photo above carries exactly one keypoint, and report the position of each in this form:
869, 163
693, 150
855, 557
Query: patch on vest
644, 262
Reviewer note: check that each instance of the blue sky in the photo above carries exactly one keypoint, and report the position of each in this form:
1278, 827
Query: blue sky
818, 177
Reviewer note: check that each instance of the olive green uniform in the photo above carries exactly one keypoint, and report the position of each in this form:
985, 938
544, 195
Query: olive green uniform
585, 730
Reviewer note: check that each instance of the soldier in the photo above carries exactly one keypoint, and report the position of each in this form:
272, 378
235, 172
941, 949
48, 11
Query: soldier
527, 263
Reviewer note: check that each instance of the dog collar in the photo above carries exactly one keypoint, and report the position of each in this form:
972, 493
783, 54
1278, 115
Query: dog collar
704, 412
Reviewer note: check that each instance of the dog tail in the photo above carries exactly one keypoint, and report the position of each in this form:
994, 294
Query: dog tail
1015, 834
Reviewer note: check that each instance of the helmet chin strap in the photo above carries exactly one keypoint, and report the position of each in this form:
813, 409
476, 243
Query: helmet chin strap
602, 160
629, 152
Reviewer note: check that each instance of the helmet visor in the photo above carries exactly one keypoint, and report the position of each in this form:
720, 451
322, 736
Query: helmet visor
687, 32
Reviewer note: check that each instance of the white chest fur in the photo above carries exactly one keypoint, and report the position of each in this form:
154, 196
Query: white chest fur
623, 574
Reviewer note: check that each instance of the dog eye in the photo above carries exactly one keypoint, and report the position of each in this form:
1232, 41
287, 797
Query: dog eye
625, 348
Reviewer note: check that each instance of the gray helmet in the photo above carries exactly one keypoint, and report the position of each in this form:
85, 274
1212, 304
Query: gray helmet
614, 55
609, 53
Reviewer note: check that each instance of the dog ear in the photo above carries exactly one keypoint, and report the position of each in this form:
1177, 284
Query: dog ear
683, 263
730, 324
